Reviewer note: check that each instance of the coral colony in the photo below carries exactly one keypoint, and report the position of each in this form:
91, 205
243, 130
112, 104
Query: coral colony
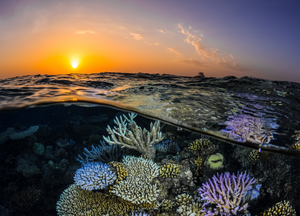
227, 192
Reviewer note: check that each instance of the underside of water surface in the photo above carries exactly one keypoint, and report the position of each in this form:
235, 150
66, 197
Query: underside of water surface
207, 146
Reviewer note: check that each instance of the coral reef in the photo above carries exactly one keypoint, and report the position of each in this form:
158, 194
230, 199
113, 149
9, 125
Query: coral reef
121, 170
183, 199
15, 135
192, 209
94, 176
167, 146
102, 153
38, 148
137, 187
254, 157
202, 147
280, 208
76, 201
169, 170
27, 197
135, 137
214, 161
166, 205
248, 128
198, 163
227, 192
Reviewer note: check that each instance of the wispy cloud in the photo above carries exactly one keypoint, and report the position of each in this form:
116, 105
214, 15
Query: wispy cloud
86, 32
137, 36
209, 56
176, 52
162, 31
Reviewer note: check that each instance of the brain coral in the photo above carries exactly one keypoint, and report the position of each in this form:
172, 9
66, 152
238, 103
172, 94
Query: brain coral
94, 176
79, 202
214, 161
137, 187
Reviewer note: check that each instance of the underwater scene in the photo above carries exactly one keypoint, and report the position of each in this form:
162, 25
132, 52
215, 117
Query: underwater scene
148, 144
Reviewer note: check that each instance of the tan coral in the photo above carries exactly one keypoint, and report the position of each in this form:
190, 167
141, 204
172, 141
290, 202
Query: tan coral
166, 205
183, 199
169, 170
198, 163
191, 209
202, 147
280, 208
254, 157
121, 170
134, 136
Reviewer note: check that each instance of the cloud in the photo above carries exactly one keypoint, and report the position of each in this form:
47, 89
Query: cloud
86, 32
176, 52
209, 56
137, 36
162, 31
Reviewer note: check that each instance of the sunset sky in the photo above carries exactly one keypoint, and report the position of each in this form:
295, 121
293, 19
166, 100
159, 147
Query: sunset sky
220, 38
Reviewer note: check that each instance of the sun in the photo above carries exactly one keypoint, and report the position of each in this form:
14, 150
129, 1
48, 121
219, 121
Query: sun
74, 63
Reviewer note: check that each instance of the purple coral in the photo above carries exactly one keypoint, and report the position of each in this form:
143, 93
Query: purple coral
227, 192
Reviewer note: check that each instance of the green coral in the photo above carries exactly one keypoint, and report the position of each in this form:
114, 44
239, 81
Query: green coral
38, 148
169, 170
214, 161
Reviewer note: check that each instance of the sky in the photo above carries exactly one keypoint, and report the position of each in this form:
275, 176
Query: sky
219, 38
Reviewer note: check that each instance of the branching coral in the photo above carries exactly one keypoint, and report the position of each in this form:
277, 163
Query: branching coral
169, 170
134, 136
193, 209
15, 135
166, 205
102, 153
137, 187
94, 175
121, 170
280, 208
227, 192
198, 163
183, 199
202, 147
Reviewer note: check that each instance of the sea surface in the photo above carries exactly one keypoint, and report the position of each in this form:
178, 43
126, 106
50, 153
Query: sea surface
57, 132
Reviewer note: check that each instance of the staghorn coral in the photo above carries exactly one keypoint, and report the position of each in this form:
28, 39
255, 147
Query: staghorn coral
76, 201
94, 176
183, 199
169, 170
226, 192
248, 128
15, 135
137, 187
192, 209
202, 147
280, 208
214, 161
166, 205
135, 137
121, 170
254, 157
102, 153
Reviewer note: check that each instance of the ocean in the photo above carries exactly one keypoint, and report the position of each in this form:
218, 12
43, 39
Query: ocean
148, 144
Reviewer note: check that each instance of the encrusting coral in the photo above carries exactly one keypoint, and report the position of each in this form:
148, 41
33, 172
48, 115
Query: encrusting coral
169, 170
134, 137
79, 202
202, 147
280, 208
137, 187
214, 161
94, 176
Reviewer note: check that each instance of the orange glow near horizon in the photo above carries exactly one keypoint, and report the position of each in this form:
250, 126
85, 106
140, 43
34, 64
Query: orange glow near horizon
74, 63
